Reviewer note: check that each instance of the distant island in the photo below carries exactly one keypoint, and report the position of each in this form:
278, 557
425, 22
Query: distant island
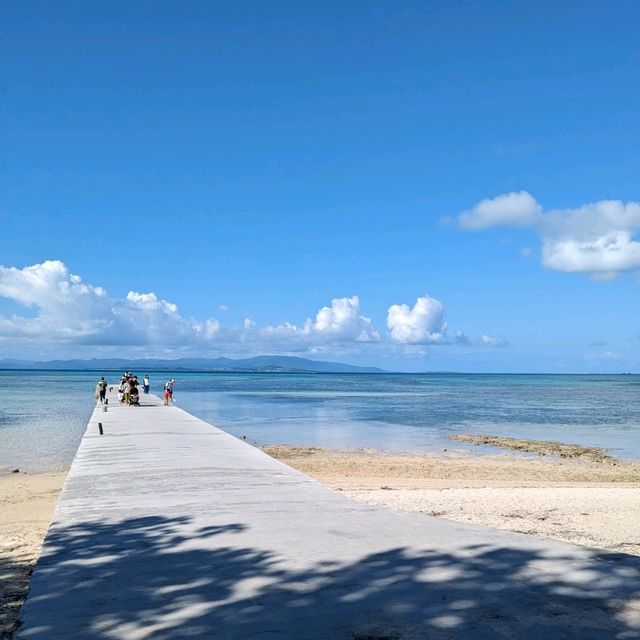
258, 364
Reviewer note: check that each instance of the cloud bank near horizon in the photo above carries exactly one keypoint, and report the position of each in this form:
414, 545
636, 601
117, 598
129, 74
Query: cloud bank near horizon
64, 310
596, 238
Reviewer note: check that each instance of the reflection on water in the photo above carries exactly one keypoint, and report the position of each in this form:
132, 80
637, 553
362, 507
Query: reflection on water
417, 412
43, 414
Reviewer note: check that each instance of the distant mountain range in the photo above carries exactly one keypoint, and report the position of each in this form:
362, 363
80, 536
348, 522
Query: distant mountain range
282, 364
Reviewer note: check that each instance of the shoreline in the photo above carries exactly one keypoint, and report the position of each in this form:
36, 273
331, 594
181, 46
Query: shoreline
582, 502
363, 468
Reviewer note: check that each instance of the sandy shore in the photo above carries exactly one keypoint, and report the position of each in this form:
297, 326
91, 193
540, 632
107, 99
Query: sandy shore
586, 503
26, 506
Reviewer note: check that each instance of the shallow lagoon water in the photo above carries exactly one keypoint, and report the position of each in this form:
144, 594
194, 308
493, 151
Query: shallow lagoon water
43, 414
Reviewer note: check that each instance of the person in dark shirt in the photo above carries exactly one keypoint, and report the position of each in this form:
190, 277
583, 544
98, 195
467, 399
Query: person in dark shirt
102, 389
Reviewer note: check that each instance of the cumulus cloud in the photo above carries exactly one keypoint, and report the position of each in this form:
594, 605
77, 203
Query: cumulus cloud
514, 209
69, 310
342, 321
596, 238
66, 313
208, 330
66, 310
66, 307
149, 302
422, 324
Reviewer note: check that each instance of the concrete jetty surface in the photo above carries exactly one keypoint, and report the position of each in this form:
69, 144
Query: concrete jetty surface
168, 528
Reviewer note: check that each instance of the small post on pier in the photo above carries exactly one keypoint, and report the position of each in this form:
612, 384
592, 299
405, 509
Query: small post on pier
100, 428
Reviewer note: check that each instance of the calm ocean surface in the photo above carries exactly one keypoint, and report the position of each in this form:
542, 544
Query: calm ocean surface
43, 414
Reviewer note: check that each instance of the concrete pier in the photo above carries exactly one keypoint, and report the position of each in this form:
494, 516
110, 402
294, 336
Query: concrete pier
168, 528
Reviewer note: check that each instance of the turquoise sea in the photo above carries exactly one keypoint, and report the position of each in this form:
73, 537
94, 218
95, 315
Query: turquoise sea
43, 414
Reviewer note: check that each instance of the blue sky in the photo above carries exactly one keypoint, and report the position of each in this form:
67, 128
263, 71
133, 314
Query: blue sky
247, 177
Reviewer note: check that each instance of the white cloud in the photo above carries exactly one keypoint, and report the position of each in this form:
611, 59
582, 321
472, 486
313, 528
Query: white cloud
609, 253
514, 209
67, 315
70, 311
209, 329
423, 324
342, 321
493, 341
595, 238
67, 311
66, 307
149, 303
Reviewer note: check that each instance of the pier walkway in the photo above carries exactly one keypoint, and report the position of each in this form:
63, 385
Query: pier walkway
168, 528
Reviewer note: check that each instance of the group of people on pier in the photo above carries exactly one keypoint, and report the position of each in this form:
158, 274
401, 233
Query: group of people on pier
128, 391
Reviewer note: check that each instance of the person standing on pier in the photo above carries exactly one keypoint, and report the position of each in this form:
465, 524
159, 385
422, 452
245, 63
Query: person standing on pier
145, 384
168, 391
125, 390
102, 389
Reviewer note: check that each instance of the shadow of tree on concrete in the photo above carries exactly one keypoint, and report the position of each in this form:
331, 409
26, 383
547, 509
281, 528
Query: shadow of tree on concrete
152, 577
